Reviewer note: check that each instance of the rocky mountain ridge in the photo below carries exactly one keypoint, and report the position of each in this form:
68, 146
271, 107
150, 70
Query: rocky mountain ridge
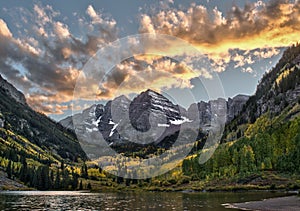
147, 109
233, 108
12, 91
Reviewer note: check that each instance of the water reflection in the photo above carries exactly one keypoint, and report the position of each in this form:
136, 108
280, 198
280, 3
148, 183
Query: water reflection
68, 200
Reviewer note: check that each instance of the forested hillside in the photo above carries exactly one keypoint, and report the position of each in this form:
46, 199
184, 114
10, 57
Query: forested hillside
32, 145
265, 138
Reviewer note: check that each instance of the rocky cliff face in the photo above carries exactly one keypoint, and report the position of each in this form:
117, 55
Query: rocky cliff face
150, 102
122, 121
150, 113
214, 108
235, 106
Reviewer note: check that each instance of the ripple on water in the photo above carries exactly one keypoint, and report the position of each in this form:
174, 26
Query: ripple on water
73, 200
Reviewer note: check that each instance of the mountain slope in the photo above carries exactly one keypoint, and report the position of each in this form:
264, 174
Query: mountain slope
34, 130
12, 91
278, 89
260, 146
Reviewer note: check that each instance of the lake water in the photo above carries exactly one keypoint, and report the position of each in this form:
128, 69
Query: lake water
72, 200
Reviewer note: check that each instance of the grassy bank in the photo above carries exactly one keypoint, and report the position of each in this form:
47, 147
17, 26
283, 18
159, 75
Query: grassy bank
265, 181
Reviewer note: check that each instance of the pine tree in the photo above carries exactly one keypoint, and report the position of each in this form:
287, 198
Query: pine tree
74, 180
9, 170
44, 180
84, 171
40, 181
62, 165
57, 180
34, 182
247, 159
65, 179
52, 179
80, 185
89, 186
23, 171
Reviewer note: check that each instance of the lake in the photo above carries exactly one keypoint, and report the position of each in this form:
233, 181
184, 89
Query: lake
73, 200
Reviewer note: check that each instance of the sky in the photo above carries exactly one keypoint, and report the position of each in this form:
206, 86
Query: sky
46, 46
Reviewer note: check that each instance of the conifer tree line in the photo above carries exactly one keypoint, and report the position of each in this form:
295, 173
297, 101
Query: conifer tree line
43, 177
276, 148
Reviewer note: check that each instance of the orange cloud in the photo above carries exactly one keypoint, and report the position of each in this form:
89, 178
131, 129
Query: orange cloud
4, 29
256, 26
45, 61
51, 56
147, 71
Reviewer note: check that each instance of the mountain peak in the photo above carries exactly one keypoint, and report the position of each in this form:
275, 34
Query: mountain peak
121, 98
241, 96
150, 92
148, 102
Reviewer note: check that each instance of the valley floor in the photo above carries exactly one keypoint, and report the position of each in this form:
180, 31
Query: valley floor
265, 181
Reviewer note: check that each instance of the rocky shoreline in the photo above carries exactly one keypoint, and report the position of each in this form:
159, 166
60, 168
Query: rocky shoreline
274, 204
9, 184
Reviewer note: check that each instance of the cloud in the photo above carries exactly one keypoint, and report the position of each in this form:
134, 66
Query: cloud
44, 59
44, 55
92, 13
147, 25
147, 71
61, 30
266, 53
105, 25
242, 60
258, 25
41, 14
4, 31
248, 70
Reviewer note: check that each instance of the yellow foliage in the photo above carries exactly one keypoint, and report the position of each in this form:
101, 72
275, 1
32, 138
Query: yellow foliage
259, 125
95, 173
284, 74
